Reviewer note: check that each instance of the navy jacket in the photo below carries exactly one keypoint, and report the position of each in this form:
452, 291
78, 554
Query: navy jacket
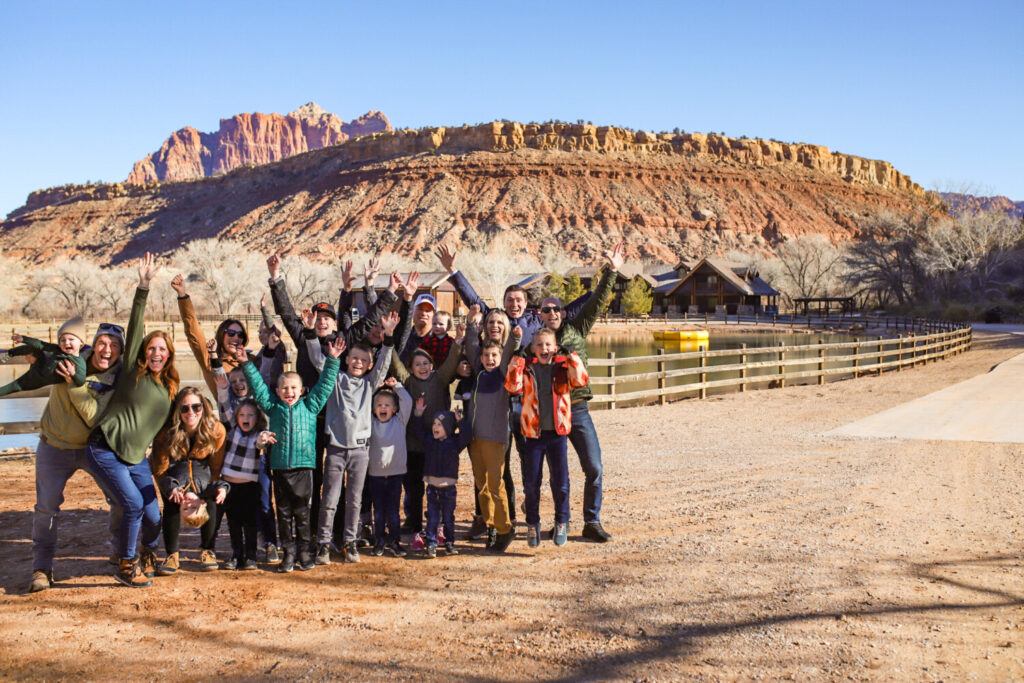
441, 456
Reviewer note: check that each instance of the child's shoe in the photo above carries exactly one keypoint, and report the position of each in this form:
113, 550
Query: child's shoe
287, 563
273, 557
417, 542
4, 356
561, 533
378, 548
440, 535
533, 535
147, 562
396, 549
247, 564
365, 536
231, 563
449, 548
323, 554
502, 541
492, 534
430, 551
477, 528
207, 561
352, 551
305, 562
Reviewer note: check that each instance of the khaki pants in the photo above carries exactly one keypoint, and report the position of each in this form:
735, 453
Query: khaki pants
488, 458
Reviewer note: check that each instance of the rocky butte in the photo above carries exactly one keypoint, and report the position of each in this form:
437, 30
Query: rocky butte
249, 139
574, 187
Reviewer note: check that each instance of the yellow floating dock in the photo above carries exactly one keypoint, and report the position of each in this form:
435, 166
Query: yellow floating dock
681, 335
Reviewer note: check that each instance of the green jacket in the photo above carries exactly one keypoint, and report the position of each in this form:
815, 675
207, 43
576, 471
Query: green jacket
140, 405
71, 412
294, 426
572, 335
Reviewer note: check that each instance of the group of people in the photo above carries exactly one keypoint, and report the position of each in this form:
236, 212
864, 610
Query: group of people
330, 456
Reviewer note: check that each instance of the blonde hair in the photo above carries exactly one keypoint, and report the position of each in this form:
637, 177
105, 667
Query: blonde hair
505, 323
289, 375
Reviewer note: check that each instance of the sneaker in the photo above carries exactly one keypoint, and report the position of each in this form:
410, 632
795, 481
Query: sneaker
396, 549
449, 548
595, 532
492, 534
410, 528
41, 580
351, 552
561, 533
230, 564
287, 563
502, 541
365, 539
114, 559
378, 549
418, 543
305, 562
272, 556
323, 554
168, 566
147, 563
4, 356
207, 560
533, 535
477, 529
247, 564
129, 574
430, 551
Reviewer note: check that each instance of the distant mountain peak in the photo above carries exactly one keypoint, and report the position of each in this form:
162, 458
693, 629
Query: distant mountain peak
310, 110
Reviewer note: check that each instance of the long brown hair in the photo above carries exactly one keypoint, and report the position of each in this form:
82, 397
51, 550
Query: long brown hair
180, 442
168, 376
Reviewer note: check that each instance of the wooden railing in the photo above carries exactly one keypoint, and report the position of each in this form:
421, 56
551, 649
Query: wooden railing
785, 365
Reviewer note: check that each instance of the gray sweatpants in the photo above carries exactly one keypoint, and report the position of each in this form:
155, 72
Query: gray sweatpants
54, 466
339, 464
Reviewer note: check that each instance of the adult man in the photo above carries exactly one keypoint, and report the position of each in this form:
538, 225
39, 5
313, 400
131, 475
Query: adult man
571, 333
423, 310
70, 414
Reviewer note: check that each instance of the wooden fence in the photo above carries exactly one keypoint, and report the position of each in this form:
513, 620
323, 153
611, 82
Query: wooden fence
784, 364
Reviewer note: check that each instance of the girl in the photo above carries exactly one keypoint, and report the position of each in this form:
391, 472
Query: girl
242, 468
187, 457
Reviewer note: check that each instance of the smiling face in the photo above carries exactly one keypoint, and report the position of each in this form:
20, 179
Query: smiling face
437, 429
440, 324
233, 338
423, 317
239, 386
325, 324
376, 335
69, 344
358, 362
464, 369
157, 354
289, 388
494, 326
490, 357
190, 408
544, 347
551, 313
421, 366
246, 417
384, 407
105, 352
515, 304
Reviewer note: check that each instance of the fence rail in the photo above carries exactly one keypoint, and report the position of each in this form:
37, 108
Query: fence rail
851, 358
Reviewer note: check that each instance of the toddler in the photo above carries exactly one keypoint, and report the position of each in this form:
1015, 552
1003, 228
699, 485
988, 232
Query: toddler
48, 357
442, 446
438, 344
392, 408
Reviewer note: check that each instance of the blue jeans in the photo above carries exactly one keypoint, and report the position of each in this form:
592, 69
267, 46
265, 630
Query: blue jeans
132, 488
551, 446
268, 521
386, 494
583, 437
440, 510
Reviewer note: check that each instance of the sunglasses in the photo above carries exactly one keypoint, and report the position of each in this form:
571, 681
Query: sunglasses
109, 327
194, 407
234, 333
550, 309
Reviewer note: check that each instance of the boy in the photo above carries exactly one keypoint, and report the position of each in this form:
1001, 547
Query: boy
392, 408
43, 371
440, 472
487, 414
292, 459
545, 378
438, 344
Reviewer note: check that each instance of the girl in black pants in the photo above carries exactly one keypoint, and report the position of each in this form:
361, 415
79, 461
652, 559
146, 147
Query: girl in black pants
242, 471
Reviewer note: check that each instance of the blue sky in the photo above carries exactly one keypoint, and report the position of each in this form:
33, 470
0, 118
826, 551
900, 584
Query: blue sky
936, 88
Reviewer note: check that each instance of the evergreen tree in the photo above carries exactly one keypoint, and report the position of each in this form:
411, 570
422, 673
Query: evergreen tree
637, 298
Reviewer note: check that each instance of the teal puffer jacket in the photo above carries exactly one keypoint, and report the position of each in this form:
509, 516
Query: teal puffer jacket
294, 426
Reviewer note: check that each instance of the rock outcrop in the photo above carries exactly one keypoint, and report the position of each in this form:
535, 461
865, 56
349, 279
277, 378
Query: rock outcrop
250, 139
576, 187
957, 201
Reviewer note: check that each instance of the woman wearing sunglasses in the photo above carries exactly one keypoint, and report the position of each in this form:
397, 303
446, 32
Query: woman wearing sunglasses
187, 457
116, 451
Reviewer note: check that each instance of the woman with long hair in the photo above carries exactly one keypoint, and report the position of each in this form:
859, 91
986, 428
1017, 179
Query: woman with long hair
187, 457
116, 451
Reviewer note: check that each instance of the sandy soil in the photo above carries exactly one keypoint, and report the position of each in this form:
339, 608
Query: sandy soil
747, 545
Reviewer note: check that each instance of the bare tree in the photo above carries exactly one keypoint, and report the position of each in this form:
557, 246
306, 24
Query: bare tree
809, 266
885, 262
308, 281
71, 285
228, 273
969, 249
115, 288
496, 266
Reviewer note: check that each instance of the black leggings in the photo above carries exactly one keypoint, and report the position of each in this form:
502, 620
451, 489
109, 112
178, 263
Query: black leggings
242, 507
172, 526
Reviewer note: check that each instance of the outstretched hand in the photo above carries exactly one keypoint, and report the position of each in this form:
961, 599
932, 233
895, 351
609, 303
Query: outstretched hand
370, 271
412, 283
265, 439
391, 382
389, 322
336, 347
395, 283
178, 284
460, 331
475, 317
66, 370
147, 270
421, 407
308, 318
615, 257
17, 338
446, 255
221, 380
346, 275
274, 266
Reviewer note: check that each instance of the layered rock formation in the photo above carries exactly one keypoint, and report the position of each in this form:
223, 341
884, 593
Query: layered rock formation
250, 139
574, 187
957, 201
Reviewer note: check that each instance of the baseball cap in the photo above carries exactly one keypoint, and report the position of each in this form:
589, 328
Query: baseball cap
324, 307
425, 299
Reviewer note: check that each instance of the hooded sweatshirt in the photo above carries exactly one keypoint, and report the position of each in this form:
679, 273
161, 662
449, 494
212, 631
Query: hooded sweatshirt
388, 453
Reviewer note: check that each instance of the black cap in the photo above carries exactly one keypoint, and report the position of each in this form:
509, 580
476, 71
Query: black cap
324, 307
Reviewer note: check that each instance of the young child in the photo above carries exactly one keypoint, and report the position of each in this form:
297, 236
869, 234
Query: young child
438, 344
242, 468
292, 419
545, 378
442, 446
392, 408
48, 357
487, 415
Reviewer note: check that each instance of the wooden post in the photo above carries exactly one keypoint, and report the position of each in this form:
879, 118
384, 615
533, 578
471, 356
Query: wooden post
880, 356
899, 355
661, 377
775, 318
703, 375
821, 365
782, 367
856, 360
51, 334
611, 374
743, 370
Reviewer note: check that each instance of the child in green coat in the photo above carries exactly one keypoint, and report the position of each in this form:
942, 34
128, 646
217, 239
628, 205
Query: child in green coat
48, 357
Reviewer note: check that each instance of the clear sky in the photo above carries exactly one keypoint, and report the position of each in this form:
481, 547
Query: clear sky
937, 88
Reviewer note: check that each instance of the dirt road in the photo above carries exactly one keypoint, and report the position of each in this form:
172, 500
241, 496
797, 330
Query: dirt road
747, 544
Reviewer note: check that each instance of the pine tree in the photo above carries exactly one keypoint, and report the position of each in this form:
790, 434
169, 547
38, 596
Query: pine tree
555, 286
637, 298
573, 288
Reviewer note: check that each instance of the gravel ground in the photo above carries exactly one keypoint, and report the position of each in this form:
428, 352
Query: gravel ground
747, 545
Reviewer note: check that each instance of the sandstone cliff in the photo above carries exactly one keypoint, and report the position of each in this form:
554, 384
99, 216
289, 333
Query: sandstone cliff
579, 187
249, 139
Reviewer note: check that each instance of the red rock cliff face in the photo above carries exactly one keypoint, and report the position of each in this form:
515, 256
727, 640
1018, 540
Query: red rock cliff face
250, 139
576, 187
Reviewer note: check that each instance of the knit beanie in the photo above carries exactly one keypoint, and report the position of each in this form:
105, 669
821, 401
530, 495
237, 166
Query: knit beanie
75, 326
447, 419
110, 330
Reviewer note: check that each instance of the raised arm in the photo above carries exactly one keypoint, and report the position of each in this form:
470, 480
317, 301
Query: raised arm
135, 332
404, 403
472, 346
194, 332
282, 304
592, 308
511, 346
446, 255
451, 364
318, 394
514, 376
361, 329
260, 393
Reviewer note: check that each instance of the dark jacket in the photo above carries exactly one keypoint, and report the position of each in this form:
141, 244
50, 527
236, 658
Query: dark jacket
572, 335
441, 456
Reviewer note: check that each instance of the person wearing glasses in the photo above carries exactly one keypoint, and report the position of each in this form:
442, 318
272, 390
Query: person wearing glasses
187, 458
571, 332
116, 451
69, 416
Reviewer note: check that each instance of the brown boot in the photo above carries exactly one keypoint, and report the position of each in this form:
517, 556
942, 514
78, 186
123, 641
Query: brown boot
168, 566
41, 580
147, 562
208, 561
130, 574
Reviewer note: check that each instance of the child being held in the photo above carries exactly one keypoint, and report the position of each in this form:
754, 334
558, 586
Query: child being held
442, 446
438, 344
544, 378
292, 419
242, 468
392, 408
48, 358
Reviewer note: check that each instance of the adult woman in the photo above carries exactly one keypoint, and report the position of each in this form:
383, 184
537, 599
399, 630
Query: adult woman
116, 451
187, 457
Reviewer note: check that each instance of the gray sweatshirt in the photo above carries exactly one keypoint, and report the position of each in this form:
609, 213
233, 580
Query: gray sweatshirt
387, 442
488, 407
350, 407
